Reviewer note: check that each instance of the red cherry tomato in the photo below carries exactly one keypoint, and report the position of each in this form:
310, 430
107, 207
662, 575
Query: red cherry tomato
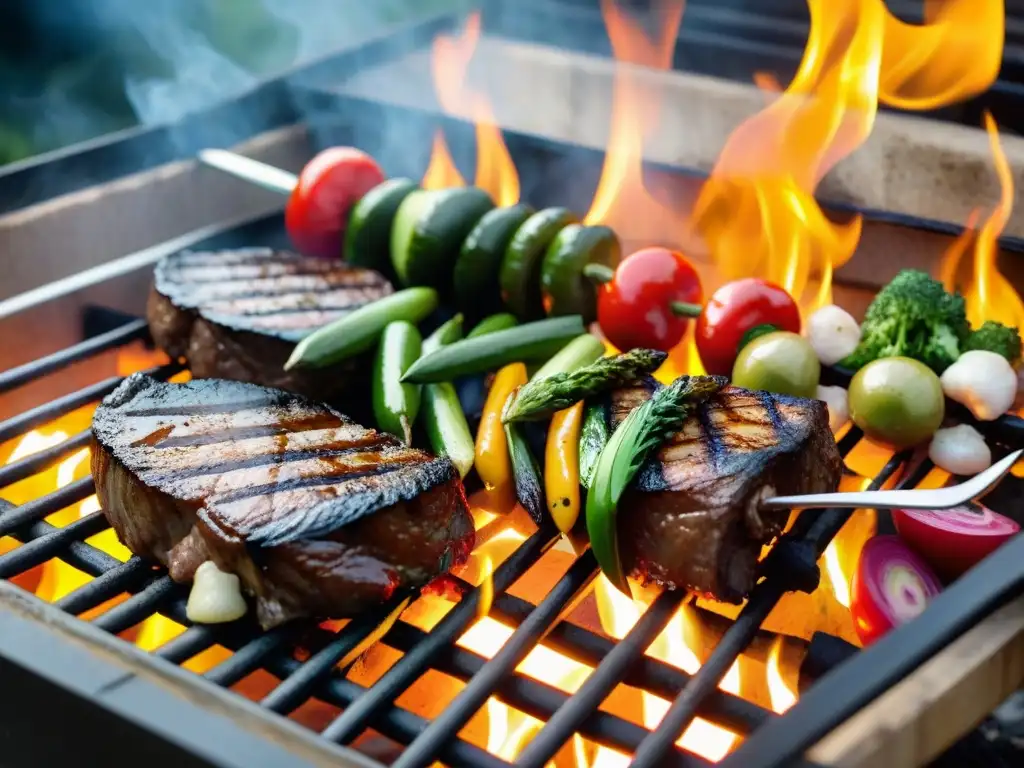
733, 310
954, 540
328, 187
892, 586
634, 309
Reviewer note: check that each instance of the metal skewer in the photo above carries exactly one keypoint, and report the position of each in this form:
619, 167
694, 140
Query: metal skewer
924, 498
247, 169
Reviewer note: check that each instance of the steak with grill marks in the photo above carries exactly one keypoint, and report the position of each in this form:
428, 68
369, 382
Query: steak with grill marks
692, 519
317, 515
239, 314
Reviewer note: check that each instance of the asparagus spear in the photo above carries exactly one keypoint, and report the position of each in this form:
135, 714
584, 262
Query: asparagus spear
542, 397
646, 427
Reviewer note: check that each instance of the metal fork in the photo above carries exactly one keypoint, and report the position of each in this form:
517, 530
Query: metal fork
924, 498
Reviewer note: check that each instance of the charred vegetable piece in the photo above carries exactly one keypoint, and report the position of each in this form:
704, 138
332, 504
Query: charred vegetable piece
737, 312
477, 270
954, 540
499, 322
562, 467
892, 586
649, 300
360, 330
643, 431
594, 436
368, 236
521, 265
443, 417
524, 343
565, 290
544, 396
396, 405
328, 187
492, 452
529, 484
913, 316
897, 401
780, 362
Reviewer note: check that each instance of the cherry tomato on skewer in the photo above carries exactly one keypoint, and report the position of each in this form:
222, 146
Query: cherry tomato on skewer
330, 184
635, 307
733, 311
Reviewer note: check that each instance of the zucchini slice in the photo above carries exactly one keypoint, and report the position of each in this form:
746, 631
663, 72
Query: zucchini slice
477, 290
368, 237
520, 267
564, 289
428, 231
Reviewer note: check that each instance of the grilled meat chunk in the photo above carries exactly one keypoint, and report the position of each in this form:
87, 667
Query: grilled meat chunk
691, 519
239, 314
317, 515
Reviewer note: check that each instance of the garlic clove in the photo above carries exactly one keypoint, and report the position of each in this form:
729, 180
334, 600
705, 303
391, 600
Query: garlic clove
216, 597
983, 381
838, 402
832, 333
960, 450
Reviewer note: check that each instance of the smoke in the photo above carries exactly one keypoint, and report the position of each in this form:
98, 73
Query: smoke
78, 69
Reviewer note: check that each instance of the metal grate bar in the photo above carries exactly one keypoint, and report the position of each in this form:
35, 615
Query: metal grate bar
43, 414
891, 658
405, 671
530, 696
250, 656
566, 721
48, 545
297, 688
35, 510
763, 599
139, 607
40, 461
23, 374
649, 674
119, 578
189, 643
565, 594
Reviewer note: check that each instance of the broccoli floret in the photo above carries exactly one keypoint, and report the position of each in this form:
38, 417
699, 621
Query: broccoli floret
913, 316
995, 337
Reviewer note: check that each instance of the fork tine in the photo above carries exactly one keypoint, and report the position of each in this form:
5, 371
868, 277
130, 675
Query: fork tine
929, 498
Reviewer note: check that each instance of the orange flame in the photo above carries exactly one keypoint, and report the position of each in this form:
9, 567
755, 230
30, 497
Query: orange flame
757, 212
954, 55
988, 294
620, 193
495, 171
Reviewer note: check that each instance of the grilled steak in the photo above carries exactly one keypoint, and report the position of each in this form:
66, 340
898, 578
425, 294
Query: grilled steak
317, 515
238, 314
691, 519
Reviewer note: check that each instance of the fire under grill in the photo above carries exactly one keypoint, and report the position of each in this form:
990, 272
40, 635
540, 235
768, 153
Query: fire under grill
310, 663
106, 643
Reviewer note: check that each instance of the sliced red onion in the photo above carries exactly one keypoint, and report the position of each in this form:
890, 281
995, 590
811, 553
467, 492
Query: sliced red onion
892, 586
954, 540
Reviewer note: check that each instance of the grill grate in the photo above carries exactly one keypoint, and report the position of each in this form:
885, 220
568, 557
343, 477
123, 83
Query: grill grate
791, 565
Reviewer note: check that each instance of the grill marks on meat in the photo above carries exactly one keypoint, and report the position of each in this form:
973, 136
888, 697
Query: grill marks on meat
238, 314
318, 515
692, 518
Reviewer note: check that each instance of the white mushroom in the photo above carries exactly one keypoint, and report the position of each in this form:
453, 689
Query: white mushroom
838, 402
833, 333
983, 381
961, 450
216, 597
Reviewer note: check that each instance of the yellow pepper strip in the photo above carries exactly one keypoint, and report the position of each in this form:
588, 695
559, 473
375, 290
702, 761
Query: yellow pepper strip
492, 460
562, 467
